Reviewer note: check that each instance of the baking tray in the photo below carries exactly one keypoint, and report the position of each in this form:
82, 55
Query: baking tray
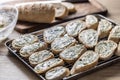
101, 64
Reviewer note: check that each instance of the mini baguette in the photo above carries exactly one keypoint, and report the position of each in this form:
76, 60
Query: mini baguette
71, 54
88, 37
50, 34
59, 44
36, 12
115, 34
91, 21
75, 27
57, 73
27, 50
24, 40
118, 50
104, 28
47, 65
60, 10
40, 57
69, 6
87, 61
105, 49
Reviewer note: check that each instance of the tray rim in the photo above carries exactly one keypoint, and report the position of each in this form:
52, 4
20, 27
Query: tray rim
70, 77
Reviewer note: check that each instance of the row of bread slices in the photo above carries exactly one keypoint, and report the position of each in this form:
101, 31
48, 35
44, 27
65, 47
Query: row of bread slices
44, 60
44, 12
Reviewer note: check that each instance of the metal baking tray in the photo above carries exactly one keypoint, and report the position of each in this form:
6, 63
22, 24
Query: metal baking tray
101, 64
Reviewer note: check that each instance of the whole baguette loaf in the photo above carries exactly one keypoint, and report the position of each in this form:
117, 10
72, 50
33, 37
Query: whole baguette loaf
36, 12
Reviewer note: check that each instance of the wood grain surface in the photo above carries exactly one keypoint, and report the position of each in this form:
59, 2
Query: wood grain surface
12, 69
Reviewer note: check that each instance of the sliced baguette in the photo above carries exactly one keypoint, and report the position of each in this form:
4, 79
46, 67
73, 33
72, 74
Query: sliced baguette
40, 57
69, 6
118, 50
105, 49
24, 40
47, 65
36, 12
50, 34
91, 21
27, 50
87, 61
60, 10
59, 44
75, 27
57, 73
72, 53
115, 34
104, 28
88, 37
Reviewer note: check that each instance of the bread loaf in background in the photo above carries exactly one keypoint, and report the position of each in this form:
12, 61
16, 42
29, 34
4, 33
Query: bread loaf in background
36, 12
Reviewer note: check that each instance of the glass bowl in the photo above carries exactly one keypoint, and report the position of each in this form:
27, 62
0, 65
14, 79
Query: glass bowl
8, 19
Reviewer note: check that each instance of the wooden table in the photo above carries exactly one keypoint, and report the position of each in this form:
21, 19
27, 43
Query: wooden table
12, 69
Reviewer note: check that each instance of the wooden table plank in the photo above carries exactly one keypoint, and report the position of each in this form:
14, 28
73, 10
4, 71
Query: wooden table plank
12, 69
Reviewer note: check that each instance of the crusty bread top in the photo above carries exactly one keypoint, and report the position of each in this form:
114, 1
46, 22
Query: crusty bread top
91, 20
87, 58
73, 52
42, 67
104, 25
75, 27
88, 37
52, 33
27, 50
105, 48
40, 56
57, 72
115, 32
59, 44
24, 40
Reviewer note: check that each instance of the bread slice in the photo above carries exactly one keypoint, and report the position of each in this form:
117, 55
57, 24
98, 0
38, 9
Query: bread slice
75, 27
69, 6
59, 44
115, 34
104, 28
60, 10
105, 49
50, 34
91, 21
118, 50
40, 56
88, 37
71, 54
47, 65
27, 50
36, 12
57, 73
87, 61
24, 40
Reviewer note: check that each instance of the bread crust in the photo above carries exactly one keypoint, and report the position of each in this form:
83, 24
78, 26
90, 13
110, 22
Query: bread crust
114, 34
59, 44
27, 50
73, 51
47, 65
41, 56
91, 22
88, 37
36, 12
75, 27
118, 50
24, 40
106, 49
59, 76
60, 10
50, 34
85, 66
